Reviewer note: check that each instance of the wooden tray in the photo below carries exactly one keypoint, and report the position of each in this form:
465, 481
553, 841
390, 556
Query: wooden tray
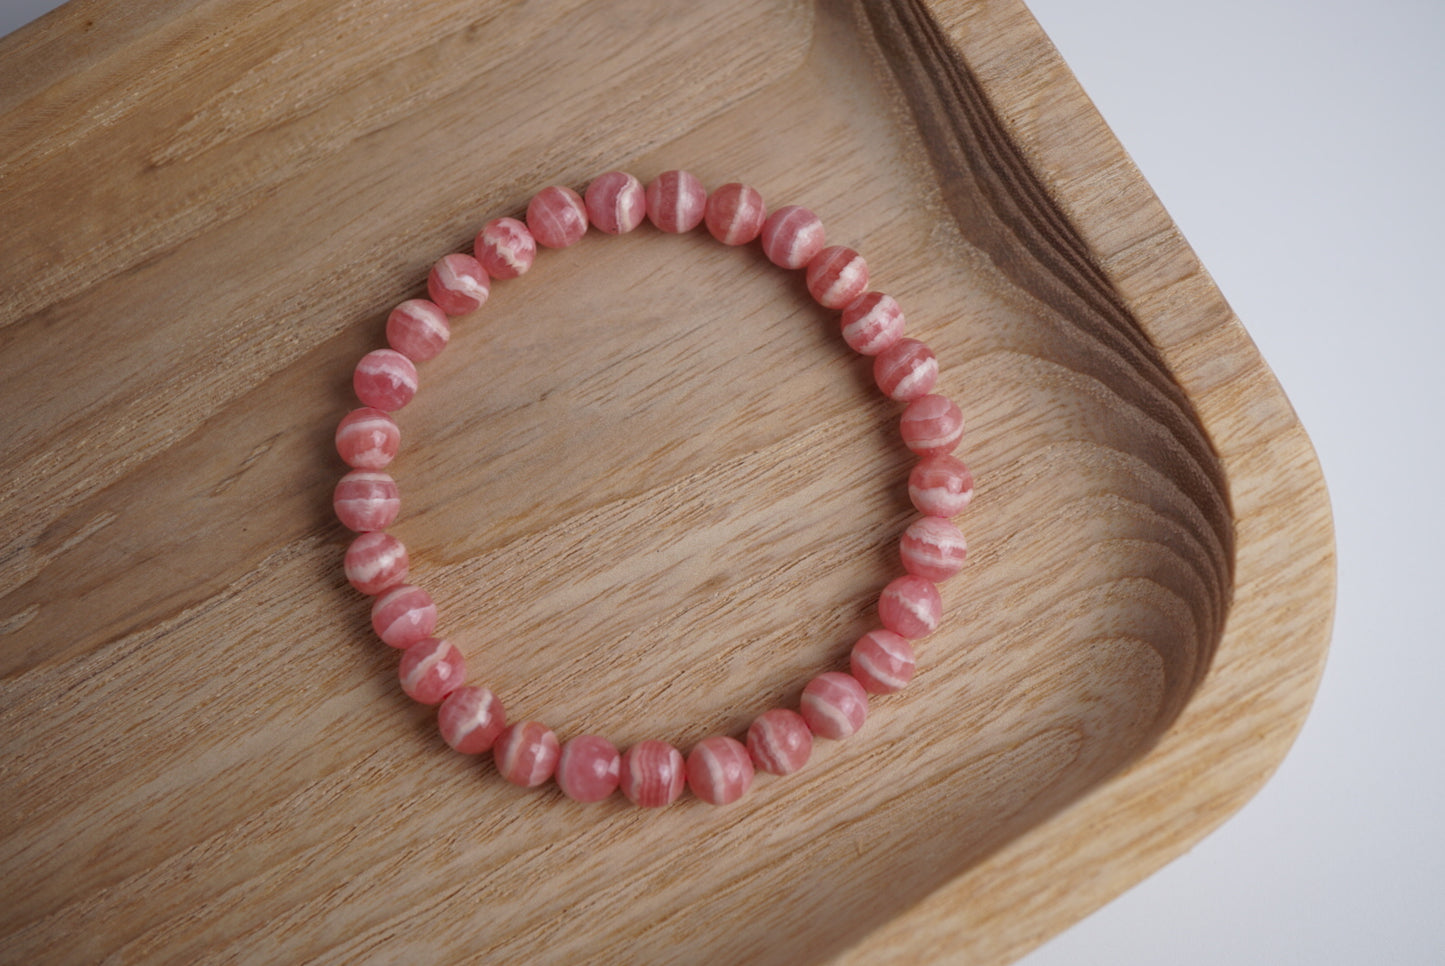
651, 490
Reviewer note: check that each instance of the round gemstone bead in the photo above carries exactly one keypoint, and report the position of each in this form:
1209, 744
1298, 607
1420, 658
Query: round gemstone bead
375, 561
589, 769
367, 439
882, 661
557, 217
403, 615
780, 741
431, 669
652, 774
384, 379
458, 284
418, 329
676, 201
734, 214
834, 705
505, 248
366, 500
470, 719
910, 607
792, 235
616, 202
719, 770
932, 548
526, 753
940, 486
931, 425
871, 323
906, 370
836, 276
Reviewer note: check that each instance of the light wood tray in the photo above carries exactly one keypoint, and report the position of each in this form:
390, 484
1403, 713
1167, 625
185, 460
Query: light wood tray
650, 488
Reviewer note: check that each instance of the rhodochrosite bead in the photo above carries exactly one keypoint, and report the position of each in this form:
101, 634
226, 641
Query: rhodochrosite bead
906, 370
871, 323
367, 439
375, 562
366, 500
676, 201
910, 607
589, 768
652, 774
418, 329
780, 741
458, 284
470, 719
526, 753
834, 705
616, 202
557, 217
932, 548
931, 425
505, 248
734, 214
384, 379
792, 235
940, 486
837, 276
403, 615
719, 770
431, 669
882, 661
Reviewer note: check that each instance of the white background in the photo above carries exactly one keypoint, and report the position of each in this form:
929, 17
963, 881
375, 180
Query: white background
1299, 146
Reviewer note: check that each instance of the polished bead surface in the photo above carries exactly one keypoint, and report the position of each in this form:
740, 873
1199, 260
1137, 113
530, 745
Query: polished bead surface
505, 248
931, 425
676, 201
470, 719
837, 276
940, 486
719, 770
403, 615
871, 323
458, 284
431, 669
932, 548
384, 379
367, 439
882, 661
557, 217
834, 705
906, 370
366, 500
780, 741
734, 214
526, 753
616, 202
653, 774
791, 236
589, 768
910, 607
375, 562
418, 329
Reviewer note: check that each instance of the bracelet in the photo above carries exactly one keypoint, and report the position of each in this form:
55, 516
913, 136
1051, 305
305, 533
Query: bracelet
589, 768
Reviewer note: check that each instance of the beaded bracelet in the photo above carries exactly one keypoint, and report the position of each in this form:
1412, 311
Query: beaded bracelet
588, 768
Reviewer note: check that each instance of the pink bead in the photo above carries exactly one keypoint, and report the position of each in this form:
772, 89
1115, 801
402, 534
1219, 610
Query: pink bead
940, 486
616, 202
384, 379
792, 236
505, 248
418, 329
375, 562
403, 615
780, 741
931, 425
556, 217
871, 323
834, 705
526, 754
837, 276
676, 201
719, 770
652, 774
589, 769
431, 669
734, 214
366, 500
470, 719
932, 548
906, 370
882, 661
910, 607
458, 284
367, 439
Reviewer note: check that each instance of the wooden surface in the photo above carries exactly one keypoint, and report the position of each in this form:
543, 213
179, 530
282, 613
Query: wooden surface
651, 490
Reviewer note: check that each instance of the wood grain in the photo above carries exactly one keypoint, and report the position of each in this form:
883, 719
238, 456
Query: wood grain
650, 488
